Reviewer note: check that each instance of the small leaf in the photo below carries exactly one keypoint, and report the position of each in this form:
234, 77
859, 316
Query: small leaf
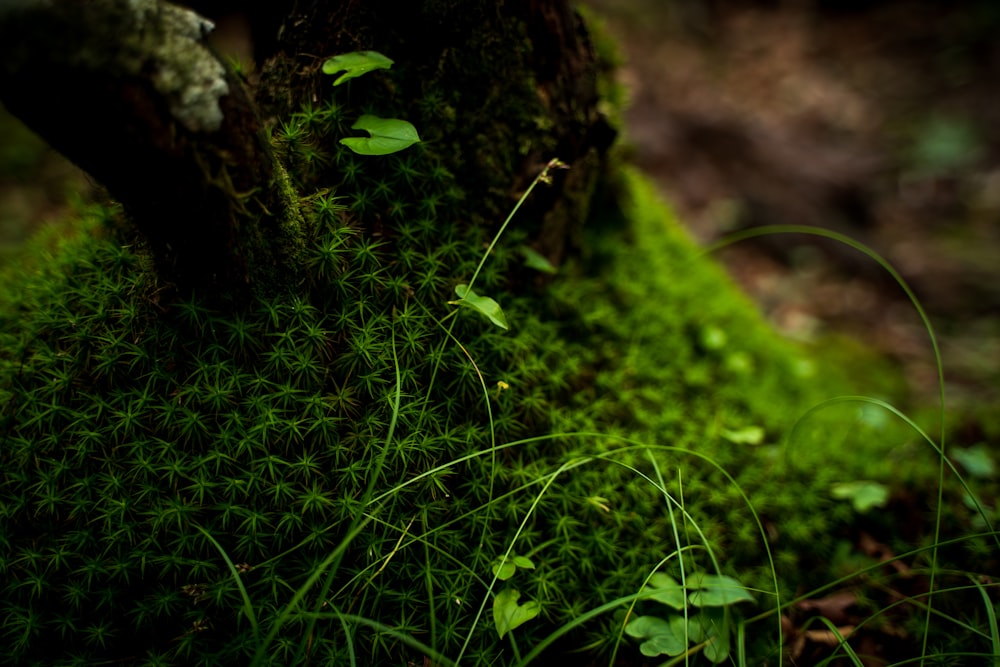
716, 590
355, 64
661, 636
525, 562
485, 305
976, 460
508, 614
711, 627
535, 260
749, 435
863, 494
717, 648
388, 135
668, 591
504, 568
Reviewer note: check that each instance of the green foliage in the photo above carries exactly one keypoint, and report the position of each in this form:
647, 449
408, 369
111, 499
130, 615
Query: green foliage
355, 64
864, 495
324, 476
388, 135
482, 304
508, 614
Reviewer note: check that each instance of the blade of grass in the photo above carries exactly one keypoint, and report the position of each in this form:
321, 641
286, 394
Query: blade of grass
768, 230
991, 617
248, 609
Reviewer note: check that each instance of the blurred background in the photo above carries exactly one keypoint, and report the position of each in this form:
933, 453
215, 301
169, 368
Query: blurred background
877, 120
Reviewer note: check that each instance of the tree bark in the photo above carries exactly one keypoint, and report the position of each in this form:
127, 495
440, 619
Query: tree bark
497, 88
131, 93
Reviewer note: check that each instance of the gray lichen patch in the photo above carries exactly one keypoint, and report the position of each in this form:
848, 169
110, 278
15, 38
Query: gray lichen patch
114, 40
188, 75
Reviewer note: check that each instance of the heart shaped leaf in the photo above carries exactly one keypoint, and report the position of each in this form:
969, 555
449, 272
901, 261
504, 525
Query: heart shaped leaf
355, 64
716, 590
388, 135
508, 614
485, 305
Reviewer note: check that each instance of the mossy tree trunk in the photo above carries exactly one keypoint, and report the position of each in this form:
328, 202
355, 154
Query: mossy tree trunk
131, 93
145, 107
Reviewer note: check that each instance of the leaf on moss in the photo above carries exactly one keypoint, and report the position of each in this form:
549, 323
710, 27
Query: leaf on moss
863, 494
667, 591
508, 614
749, 435
355, 64
485, 305
716, 590
662, 637
388, 135
505, 567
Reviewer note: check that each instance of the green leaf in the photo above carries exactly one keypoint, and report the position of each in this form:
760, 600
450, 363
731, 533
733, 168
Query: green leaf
661, 636
504, 569
508, 614
976, 460
388, 135
536, 261
668, 591
485, 305
863, 494
717, 648
750, 435
355, 64
716, 590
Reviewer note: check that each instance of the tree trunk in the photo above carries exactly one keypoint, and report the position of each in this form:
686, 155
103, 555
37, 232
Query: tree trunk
497, 89
145, 107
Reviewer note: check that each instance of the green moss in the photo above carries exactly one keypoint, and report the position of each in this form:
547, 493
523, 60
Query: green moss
127, 426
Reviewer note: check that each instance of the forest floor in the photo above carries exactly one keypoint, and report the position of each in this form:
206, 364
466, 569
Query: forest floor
880, 121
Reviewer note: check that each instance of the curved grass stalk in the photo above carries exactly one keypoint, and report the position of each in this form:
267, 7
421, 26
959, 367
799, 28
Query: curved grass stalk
768, 230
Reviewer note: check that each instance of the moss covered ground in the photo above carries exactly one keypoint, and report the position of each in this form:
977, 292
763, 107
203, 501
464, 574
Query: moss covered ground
331, 475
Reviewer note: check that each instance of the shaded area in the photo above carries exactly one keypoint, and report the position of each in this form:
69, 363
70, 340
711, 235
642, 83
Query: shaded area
875, 120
